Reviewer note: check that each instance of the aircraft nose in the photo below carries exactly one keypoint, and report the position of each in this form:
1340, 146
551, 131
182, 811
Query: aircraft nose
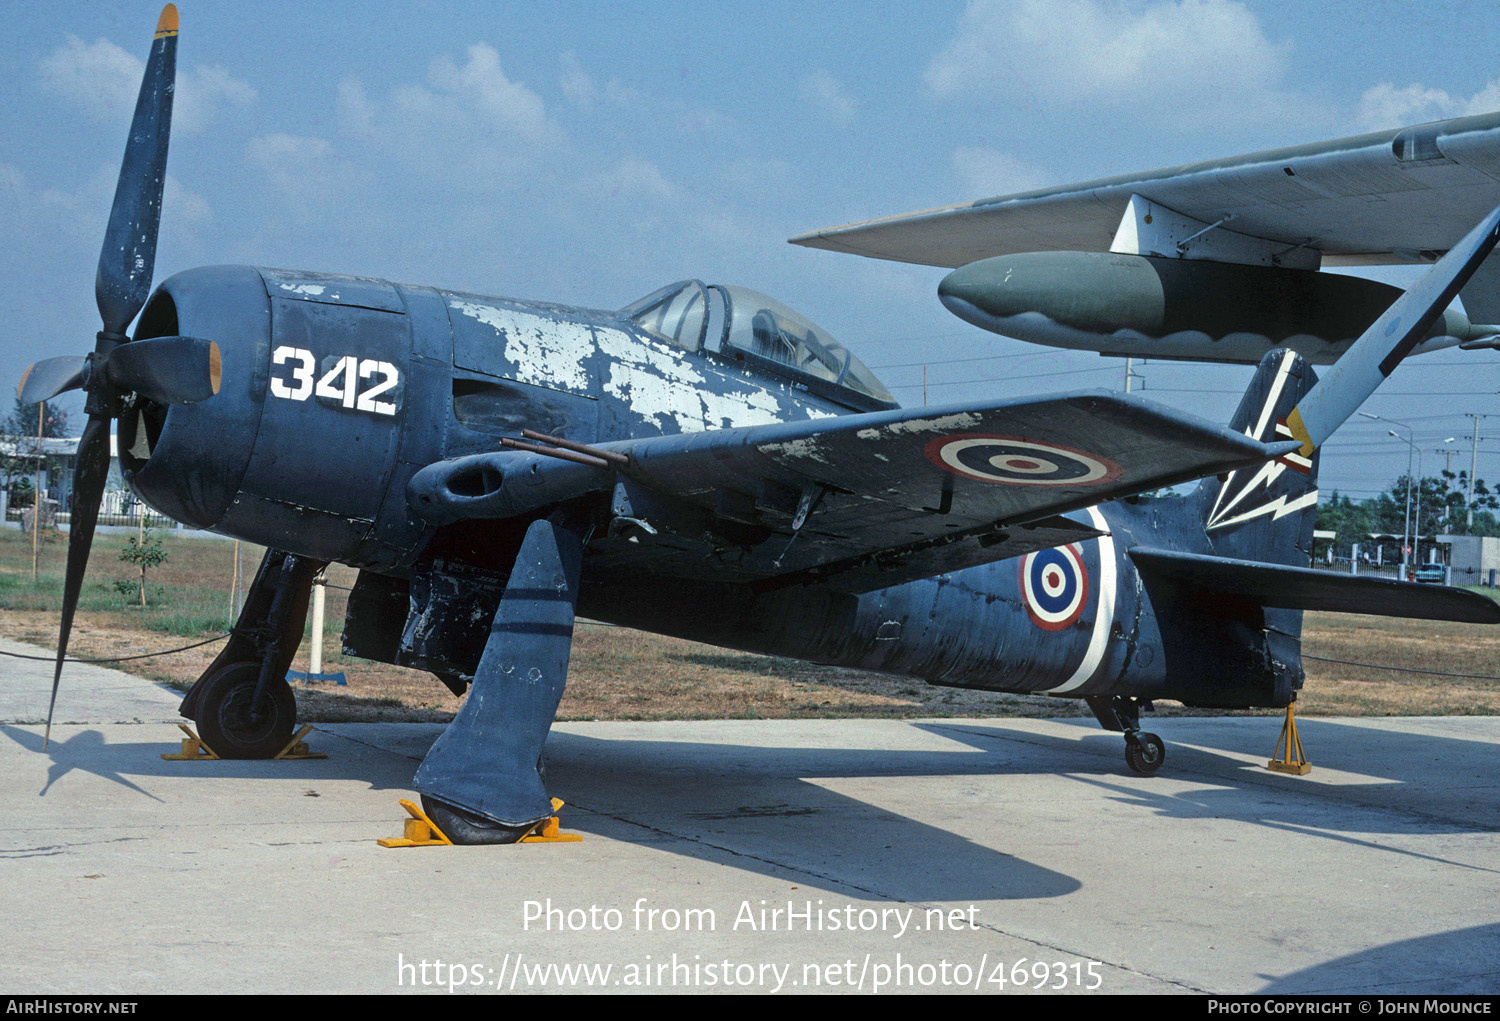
981, 292
187, 460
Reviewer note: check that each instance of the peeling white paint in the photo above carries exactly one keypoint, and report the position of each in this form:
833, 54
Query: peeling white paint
807, 448
311, 290
961, 420
664, 386
544, 352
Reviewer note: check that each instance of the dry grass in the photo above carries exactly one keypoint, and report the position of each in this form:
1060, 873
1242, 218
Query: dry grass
620, 674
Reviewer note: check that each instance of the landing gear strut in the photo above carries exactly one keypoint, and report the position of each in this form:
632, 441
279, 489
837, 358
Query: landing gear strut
1144, 751
242, 704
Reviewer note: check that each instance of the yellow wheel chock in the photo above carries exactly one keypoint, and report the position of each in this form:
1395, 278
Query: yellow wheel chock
1292, 759
194, 749
420, 831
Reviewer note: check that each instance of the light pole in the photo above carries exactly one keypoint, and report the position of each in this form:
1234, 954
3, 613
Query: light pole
1416, 535
1447, 453
1407, 547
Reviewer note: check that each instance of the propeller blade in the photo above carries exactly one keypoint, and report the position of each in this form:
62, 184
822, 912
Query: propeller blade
90, 472
49, 377
168, 370
128, 257
1378, 351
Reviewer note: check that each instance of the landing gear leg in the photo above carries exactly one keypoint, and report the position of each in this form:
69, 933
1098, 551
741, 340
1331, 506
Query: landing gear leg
1144, 752
242, 704
480, 781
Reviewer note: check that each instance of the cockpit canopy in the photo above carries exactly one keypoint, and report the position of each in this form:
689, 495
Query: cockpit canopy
736, 322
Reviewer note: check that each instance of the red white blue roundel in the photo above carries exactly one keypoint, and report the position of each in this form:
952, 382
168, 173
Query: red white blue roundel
1017, 462
1054, 586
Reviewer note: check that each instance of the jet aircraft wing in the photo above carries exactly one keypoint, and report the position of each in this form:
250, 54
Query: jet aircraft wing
1383, 197
861, 501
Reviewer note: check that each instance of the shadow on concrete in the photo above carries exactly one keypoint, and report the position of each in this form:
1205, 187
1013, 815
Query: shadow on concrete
1464, 962
767, 809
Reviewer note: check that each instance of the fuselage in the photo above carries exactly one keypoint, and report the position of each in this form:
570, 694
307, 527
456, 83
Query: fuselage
337, 390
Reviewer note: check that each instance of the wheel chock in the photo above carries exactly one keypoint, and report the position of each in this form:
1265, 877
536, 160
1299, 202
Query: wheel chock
420, 831
1288, 756
547, 831
296, 748
195, 750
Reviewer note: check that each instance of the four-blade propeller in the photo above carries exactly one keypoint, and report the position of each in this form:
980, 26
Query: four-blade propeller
121, 373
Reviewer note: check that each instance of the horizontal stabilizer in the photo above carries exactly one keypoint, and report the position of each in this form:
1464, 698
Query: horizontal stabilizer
1301, 588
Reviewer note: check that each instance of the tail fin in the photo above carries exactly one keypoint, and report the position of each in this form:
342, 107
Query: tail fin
1266, 513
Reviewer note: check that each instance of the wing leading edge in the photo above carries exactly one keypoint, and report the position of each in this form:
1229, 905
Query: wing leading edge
1383, 197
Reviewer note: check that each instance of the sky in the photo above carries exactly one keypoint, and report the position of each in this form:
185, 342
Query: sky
587, 153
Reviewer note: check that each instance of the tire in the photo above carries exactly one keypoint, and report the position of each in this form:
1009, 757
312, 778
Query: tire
1144, 753
464, 827
223, 712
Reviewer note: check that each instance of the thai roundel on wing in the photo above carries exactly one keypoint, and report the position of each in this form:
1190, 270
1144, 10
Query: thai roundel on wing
1014, 461
1054, 586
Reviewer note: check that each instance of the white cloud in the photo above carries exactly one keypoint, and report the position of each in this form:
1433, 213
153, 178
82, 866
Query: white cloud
636, 178
468, 125
479, 90
104, 79
185, 210
585, 92
1386, 106
99, 76
1188, 58
985, 172
827, 95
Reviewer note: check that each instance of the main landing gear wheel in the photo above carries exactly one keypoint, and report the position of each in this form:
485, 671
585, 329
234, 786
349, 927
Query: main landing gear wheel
1144, 752
464, 827
227, 722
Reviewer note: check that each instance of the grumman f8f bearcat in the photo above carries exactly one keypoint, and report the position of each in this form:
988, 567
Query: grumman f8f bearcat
703, 463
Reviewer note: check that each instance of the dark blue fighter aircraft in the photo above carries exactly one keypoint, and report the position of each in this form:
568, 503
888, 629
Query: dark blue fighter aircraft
703, 463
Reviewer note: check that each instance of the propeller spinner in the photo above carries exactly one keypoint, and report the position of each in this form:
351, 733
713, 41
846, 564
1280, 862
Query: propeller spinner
120, 373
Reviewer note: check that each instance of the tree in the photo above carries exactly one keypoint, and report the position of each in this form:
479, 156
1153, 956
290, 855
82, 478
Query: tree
145, 554
17, 457
22, 420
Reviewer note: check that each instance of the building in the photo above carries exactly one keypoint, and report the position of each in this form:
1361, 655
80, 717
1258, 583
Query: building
1474, 559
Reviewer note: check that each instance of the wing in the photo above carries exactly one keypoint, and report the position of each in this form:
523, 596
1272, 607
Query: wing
1390, 196
858, 501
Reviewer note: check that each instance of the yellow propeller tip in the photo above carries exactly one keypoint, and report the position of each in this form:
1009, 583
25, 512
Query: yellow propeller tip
167, 23
215, 366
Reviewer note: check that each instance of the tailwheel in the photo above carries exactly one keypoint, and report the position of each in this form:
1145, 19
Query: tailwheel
232, 724
1144, 752
463, 827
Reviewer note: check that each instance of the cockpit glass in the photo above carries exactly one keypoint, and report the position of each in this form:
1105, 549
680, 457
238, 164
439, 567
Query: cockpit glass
765, 327
676, 313
680, 313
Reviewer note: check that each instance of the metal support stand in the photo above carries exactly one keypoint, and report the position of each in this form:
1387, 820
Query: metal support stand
1288, 756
